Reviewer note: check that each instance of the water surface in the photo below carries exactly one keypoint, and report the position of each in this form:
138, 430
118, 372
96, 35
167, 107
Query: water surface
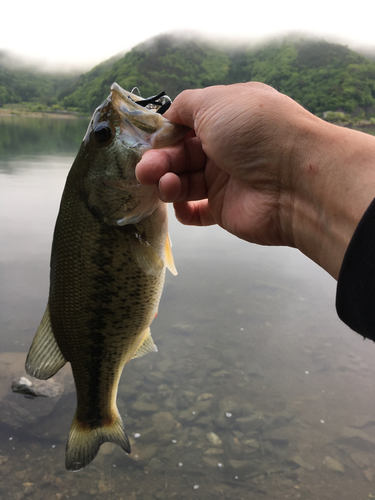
257, 391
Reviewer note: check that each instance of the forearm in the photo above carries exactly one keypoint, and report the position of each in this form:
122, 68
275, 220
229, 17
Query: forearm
335, 184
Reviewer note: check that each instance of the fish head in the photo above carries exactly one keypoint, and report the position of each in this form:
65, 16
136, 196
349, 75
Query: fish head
122, 128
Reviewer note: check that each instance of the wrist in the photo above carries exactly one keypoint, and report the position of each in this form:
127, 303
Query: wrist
334, 185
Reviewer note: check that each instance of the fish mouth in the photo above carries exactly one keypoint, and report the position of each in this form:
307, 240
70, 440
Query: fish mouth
143, 118
136, 122
131, 118
158, 103
139, 120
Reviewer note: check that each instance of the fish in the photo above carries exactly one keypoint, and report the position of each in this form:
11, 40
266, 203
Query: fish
109, 253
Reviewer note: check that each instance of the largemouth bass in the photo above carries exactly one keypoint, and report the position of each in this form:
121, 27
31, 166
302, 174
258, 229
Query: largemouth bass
109, 254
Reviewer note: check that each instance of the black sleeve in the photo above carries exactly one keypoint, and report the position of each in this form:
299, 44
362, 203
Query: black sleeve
355, 296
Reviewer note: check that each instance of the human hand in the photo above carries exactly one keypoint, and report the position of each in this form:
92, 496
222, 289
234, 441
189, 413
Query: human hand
265, 169
235, 171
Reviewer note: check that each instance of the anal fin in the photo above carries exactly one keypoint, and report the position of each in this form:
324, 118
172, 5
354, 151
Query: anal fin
146, 346
44, 358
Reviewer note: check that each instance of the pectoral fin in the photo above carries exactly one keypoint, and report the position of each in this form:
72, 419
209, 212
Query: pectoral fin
148, 259
145, 256
44, 358
169, 261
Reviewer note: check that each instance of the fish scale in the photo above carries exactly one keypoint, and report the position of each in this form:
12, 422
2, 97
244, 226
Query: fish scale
109, 254
88, 277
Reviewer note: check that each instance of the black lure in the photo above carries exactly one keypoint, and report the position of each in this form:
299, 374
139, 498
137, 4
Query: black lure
154, 100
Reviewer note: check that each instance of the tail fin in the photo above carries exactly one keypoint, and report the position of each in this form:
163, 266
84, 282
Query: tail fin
84, 443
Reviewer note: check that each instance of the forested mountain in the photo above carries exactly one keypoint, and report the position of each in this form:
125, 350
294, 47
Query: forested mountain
20, 83
321, 76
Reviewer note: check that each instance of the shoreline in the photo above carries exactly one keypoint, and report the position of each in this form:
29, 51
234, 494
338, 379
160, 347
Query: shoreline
40, 114
361, 124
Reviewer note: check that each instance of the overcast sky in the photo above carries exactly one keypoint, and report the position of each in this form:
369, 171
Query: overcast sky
80, 33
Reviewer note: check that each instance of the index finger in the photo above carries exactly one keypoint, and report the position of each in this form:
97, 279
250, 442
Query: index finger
185, 107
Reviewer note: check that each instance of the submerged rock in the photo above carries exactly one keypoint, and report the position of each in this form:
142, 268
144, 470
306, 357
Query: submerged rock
236, 446
19, 411
214, 451
214, 439
205, 396
212, 462
361, 459
357, 438
251, 445
369, 475
281, 436
145, 407
251, 423
333, 464
165, 364
361, 421
298, 460
191, 413
143, 452
37, 388
164, 422
238, 464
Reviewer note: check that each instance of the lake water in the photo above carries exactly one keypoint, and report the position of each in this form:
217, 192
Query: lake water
257, 391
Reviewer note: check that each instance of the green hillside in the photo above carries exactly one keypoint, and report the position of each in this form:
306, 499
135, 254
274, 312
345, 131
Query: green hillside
164, 62
321, 76
22, 84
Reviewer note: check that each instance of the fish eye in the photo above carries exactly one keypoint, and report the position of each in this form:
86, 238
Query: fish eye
103, 133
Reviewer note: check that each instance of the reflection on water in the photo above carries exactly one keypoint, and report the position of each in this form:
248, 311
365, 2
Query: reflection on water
257, 391
22, 135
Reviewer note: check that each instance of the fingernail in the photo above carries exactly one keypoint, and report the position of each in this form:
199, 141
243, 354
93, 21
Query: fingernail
135, 171
161, 194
